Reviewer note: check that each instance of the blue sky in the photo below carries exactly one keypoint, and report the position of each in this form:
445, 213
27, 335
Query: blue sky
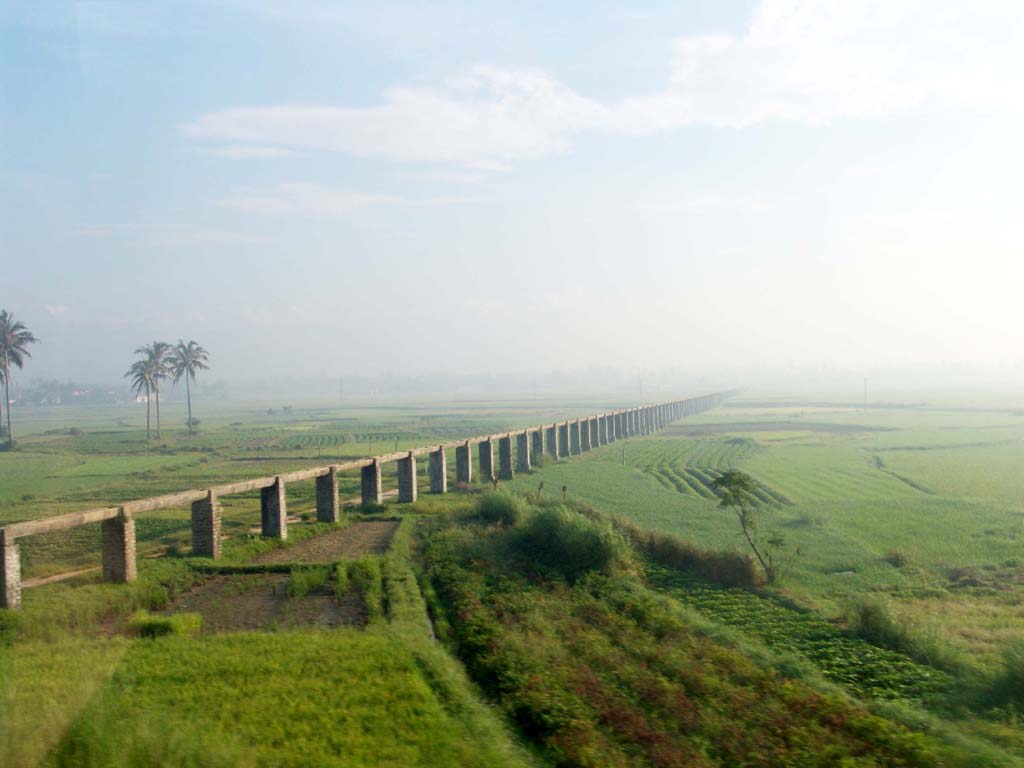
483, 187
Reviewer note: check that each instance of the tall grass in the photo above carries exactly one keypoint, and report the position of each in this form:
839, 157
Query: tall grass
872, 618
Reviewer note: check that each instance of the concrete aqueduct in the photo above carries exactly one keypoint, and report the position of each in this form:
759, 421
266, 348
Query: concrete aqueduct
562, 439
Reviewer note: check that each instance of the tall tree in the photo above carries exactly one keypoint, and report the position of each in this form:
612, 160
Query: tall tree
188, 359
139, 377
157, 356
14, 341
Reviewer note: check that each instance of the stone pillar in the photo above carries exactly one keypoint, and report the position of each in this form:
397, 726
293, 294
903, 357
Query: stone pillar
486, 453
585, 435
407, 479
370, 483
634, 422
523, 451
574, 438
206, 514
327, 507
505, 470
537, 444
611, 427
437, 464
563, 439
552, 440
118, 538
463, 464
10, 573
274, 510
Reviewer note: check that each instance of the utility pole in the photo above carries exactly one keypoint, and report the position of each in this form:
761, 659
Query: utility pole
865, 394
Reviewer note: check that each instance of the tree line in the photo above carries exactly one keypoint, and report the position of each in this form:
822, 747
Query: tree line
157, 362
160, 361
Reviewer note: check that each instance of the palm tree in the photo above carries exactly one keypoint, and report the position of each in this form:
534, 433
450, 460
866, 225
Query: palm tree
14, 341
141, 380
158, 357
187, 359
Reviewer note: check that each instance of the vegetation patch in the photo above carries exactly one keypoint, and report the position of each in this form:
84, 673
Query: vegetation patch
601, 671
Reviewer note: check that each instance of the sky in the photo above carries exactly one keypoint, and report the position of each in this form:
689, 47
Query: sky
323, 189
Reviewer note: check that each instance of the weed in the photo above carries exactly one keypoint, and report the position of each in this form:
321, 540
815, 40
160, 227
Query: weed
302, 581
145, 624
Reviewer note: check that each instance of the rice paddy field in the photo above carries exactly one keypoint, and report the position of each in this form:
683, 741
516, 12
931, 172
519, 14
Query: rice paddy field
553, 631
921, 504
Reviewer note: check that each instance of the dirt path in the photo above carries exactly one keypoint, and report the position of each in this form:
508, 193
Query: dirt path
38, 582
366, 538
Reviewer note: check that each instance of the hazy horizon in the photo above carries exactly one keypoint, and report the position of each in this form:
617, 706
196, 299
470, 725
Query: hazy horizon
733, 190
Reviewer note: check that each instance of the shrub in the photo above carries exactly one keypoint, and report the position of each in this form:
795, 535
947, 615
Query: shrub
364, 575
573, 544
302, 581
872, 619
145, 624
500, 508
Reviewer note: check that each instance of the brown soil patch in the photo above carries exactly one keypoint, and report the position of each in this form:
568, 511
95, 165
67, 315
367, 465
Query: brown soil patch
365, 538
230, 603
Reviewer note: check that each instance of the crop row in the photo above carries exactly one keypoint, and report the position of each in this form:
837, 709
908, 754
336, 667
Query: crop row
843, 658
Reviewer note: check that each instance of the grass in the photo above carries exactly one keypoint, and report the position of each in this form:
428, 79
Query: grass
576, 623
853, 526
363, 701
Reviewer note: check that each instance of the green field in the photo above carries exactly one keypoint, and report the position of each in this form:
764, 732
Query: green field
485, 649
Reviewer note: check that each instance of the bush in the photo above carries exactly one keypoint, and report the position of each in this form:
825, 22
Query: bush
500, 508
145, 624
873, 620
364, 575
573, 544
302, 581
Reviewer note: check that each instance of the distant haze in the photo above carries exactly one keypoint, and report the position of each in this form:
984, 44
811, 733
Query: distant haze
709, 192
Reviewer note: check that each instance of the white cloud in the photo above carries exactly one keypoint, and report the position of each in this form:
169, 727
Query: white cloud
318, 200
482, 119
809, 61
56, 309
170, 237
247, 152
302, 198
